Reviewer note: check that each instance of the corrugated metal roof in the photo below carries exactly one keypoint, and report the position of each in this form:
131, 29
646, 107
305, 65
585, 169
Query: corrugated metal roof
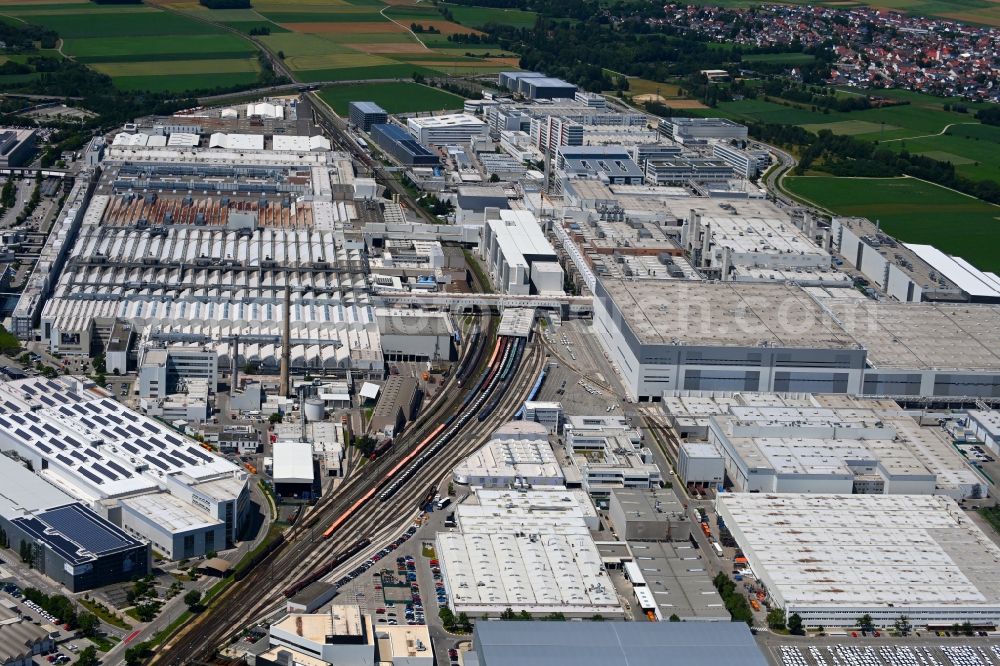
615, 643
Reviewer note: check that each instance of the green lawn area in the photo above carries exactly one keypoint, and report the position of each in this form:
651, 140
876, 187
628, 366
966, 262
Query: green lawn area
913, 211
393, 97
477, 17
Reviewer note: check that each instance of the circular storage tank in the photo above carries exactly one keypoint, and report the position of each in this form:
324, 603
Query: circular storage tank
315, 409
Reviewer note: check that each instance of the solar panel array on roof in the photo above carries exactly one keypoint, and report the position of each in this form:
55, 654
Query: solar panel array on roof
77, 533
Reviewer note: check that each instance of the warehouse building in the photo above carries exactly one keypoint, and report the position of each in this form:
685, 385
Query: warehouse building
526, 551
890, 266
519, 258
512, 80
611, 164
648, 515
174, 528
613, 644
102, 453
860, 446
401, 146
365, 114
545, 87
415, 335
681, 170
700, 465
68, 542
672, 579
517, 455
833, 558
455, 128
724, 336
685, 130
397, 405
293, 470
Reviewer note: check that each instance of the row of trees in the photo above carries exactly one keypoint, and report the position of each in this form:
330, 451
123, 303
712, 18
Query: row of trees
736, 602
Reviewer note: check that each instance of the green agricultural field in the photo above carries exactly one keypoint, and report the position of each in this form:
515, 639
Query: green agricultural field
122, 24
973, 149
394, 71
851, 127
180, 83
346, 15
913, 211
393, 97
157, 47
477, 17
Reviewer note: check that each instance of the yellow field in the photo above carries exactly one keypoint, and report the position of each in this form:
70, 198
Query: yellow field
375, 47
638, 86
177, 67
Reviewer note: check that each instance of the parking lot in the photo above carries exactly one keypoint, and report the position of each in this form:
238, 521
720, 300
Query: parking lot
887, 655
66, 648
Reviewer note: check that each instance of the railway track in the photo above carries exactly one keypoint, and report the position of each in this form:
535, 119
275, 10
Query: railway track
262, 590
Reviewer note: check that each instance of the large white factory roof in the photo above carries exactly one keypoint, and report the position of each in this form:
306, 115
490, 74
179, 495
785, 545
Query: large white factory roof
236, 141
506, 510
289, 142
865, 551
293, 462
170, 513
538, 572
967, 277
448, 120
505, 461
94, 446
803, 441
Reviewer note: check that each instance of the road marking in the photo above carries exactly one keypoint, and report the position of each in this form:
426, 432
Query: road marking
132, 635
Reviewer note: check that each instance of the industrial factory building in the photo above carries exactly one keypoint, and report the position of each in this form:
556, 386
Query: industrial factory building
852, 446
614, 643
667, 335
68, 542
199, 245
365, 114
17, 146
455, 128
529, 553
401, 145
125, 465
518, 256
518, 454
833, 558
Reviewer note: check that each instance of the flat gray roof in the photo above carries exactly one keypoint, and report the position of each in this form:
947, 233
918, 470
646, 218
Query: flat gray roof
25, 492
725, 314
530, 643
